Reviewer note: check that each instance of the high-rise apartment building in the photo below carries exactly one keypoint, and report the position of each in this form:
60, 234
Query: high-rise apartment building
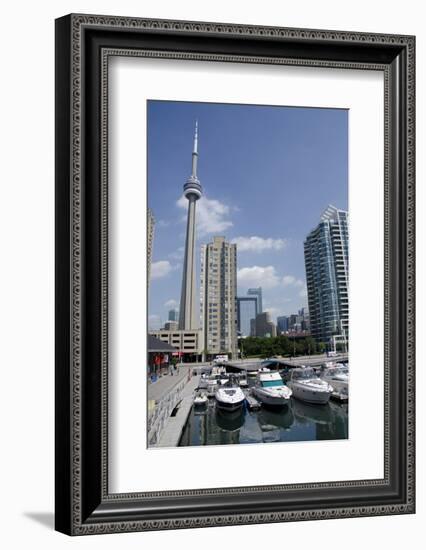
218, 295
327, 270
258, 293
246, 312
150, 240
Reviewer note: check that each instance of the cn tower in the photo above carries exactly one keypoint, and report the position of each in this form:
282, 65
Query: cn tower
192, 190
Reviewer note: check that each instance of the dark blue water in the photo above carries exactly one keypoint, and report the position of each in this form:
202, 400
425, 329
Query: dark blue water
298, 421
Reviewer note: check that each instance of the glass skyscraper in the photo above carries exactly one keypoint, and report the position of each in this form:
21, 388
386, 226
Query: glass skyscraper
327, 271
246, 312
258, 293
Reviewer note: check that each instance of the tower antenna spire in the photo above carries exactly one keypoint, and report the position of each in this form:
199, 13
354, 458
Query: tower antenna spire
195, 151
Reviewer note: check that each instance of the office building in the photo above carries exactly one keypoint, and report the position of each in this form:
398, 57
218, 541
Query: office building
218, 301
246, 311
282, 324
264, 327
258, 293
327, 270
171, 325
173, 315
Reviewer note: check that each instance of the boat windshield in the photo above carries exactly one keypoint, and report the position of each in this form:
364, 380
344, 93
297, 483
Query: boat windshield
303, 374
271, 383
338, 370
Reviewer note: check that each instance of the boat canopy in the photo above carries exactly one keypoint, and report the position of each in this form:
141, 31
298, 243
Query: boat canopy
303, 373
271, 383
337, 370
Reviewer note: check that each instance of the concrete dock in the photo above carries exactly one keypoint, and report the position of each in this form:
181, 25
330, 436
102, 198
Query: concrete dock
174, 425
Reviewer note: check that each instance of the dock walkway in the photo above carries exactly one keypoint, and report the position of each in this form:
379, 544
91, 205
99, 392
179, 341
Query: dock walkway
173, 428
157, 390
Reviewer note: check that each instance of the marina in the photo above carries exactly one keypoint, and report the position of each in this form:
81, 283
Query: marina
249, 402
299, 421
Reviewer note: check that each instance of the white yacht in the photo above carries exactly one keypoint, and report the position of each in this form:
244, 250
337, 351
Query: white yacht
337, 375
243, 382
202, 384
306, 386
212, 386
200, 399
270, 388
229, 398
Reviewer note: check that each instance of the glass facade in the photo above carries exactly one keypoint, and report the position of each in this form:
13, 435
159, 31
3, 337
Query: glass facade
246, 312
258, 293
327, 270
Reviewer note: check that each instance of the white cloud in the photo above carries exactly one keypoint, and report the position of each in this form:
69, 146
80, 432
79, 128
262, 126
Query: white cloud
171, 303
160, 269
212, 215
289, 280
178, 253
163, 223
258, 244
266, 277
274, 312
303, 293
154, 322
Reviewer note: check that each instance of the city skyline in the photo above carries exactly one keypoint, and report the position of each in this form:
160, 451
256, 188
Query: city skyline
238, 202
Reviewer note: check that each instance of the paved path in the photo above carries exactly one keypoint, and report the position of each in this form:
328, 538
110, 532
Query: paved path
173, 429
165, 384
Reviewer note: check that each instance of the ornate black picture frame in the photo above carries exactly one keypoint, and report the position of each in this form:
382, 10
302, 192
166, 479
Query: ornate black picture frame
83, 45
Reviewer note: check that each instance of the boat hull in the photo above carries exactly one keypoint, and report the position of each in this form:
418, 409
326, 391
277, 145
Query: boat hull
222, 405
270, 400
309, 395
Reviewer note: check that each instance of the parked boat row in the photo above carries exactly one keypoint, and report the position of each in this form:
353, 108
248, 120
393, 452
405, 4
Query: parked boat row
303, 383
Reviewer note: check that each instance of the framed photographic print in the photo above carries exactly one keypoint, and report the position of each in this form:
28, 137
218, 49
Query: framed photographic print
234, 274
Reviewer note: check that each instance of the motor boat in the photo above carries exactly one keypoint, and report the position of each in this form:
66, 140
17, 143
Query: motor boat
307, 386
202, 384
243, 383
338, 377
229, 398
200, 399
212, 386
251, 373
270, 389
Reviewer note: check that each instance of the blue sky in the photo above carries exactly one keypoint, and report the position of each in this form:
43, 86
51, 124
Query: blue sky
267, 174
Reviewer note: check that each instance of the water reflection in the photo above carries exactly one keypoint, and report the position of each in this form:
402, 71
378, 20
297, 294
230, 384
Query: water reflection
298, 422
229, 421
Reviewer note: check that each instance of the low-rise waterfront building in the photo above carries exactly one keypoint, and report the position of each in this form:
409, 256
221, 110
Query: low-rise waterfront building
188, 343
